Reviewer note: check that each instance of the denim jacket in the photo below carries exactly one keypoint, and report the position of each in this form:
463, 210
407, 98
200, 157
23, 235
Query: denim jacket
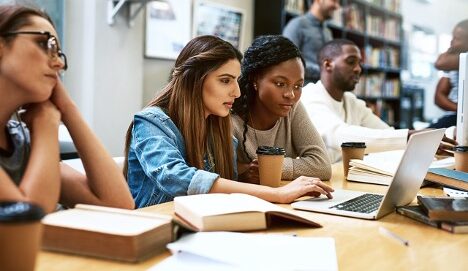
157, 167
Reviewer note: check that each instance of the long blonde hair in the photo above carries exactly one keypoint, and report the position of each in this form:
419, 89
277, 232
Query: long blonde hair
182, 100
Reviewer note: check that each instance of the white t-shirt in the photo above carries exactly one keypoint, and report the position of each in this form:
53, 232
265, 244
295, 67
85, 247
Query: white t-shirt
348, 120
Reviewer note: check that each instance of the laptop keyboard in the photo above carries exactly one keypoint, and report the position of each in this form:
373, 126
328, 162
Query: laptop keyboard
366, 203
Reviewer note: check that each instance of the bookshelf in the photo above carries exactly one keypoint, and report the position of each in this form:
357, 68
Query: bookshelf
374, 25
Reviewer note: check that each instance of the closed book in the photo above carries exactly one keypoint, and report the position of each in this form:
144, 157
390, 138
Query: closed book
415, 212
105, 232
455, 227
444, 209
448, 177
233, 212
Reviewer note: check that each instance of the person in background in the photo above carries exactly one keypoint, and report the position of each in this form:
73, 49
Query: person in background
182, 144
30, 170
338, 114
269, 112
309, 32
446, 95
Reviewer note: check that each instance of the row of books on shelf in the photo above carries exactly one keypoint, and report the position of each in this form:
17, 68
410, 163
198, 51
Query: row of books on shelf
294, 6
352, 17
385, 111
383, 57
376, 85
376, 25
391, 5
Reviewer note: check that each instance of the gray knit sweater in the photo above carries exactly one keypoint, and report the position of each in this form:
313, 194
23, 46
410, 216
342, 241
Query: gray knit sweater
305, 150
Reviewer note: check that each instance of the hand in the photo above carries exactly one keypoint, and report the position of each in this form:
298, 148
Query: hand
303, 186
60, 97
446, 146
250, 174
41, 115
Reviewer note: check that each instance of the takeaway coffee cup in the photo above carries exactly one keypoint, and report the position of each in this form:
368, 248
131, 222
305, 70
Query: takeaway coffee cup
461, 158
20, 235
270, 165
351, 150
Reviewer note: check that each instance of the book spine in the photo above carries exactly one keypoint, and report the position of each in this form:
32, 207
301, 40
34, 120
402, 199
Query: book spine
417, 217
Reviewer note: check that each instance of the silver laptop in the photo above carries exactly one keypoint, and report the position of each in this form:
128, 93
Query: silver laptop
405, 185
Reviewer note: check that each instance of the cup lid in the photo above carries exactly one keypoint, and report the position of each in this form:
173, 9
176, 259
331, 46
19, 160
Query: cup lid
20, 211
353, 145
460, 148
268, 150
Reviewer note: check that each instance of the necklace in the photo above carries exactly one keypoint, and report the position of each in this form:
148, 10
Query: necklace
253, 128
210, 159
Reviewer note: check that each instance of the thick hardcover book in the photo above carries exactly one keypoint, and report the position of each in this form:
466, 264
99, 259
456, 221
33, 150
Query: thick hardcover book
415, 212
444, 209
105, 232
233, 212
448, 177
455, 227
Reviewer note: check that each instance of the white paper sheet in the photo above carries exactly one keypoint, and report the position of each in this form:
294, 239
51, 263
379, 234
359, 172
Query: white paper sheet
256, 251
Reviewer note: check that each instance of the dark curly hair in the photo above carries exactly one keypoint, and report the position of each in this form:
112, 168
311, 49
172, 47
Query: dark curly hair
265, 52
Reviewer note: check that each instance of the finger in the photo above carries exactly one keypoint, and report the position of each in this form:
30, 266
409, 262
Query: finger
325, 187
313, 187
449, 141
314, 194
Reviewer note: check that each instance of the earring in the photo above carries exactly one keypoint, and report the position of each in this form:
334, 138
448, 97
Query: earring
255, 86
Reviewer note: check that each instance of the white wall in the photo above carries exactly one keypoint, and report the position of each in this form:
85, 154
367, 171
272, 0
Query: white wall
108, 76
156, 71
105, 76
440, 16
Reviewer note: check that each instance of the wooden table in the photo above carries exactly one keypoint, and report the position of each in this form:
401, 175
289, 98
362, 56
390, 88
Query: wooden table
359, 245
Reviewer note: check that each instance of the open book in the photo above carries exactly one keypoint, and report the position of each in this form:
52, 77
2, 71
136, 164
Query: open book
380, 167
111, 233
232, 212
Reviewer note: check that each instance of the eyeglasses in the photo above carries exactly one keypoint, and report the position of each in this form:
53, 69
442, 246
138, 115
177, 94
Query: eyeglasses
51, 47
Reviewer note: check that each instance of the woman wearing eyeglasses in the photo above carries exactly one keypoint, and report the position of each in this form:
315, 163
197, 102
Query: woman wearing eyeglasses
30, 170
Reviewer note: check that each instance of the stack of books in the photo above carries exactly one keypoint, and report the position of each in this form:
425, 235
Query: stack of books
450, 214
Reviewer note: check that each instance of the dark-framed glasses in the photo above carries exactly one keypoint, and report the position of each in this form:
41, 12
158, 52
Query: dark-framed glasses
51, 46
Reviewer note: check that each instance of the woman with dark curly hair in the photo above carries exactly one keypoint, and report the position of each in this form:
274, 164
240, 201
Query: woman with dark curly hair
269, 112
182, 144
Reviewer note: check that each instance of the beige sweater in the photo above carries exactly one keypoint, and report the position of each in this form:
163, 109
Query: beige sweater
305, 151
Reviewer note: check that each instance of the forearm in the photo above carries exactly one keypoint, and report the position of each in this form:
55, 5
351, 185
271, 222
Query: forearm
41, 181
9, 191
447, 61
311, 165
104, 179
227, 186
444, 103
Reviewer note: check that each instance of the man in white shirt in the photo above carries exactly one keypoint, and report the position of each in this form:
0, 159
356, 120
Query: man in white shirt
338, 114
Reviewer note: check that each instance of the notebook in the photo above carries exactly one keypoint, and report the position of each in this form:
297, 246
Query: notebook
403, 188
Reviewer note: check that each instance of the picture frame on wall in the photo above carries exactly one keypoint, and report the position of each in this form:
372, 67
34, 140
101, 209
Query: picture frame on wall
168, 28
219, 20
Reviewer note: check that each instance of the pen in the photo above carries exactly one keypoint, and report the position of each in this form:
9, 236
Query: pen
393, 235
